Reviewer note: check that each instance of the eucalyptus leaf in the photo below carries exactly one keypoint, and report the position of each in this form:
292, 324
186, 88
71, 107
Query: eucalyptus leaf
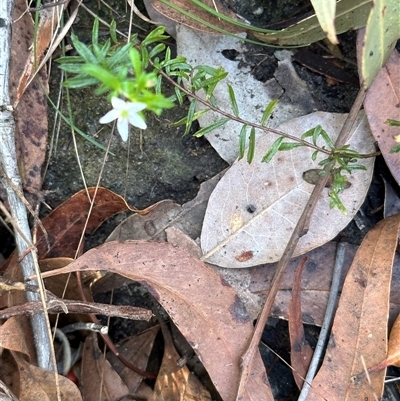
325, 12
381, 34
255, 207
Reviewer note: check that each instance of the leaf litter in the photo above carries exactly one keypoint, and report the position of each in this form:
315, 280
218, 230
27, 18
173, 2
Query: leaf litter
62, 240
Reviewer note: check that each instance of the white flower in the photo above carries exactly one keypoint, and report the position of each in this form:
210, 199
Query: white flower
127, 113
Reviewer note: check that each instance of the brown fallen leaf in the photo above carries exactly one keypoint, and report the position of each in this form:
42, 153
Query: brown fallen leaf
137, 351
300, 350
99, 380
38, 384
206, 310
64, 224
176, 382
360, 327
12, 337
381, 104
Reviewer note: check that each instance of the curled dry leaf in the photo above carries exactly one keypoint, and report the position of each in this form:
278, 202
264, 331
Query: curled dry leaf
360, 326
255, 207
205, 308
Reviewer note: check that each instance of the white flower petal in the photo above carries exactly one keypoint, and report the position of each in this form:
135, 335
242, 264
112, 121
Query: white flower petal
123, 128
136, 106
110, 116
137, 120
118, 103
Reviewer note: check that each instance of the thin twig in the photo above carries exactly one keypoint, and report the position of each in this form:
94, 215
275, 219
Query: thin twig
326, 325
300, 230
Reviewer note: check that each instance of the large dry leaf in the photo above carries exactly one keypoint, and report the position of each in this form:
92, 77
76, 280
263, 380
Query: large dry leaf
360, 326
206, 310
254, 208
36, 384
382, 103
252, 97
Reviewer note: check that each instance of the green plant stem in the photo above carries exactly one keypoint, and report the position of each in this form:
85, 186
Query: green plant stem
255, 125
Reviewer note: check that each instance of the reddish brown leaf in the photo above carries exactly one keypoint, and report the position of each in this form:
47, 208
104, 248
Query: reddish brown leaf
38, 384
300, 350
65, 224
99, 380
381, 104
205, 309
360, 327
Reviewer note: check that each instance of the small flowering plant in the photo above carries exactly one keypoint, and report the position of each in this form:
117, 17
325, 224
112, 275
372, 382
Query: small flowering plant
122, 72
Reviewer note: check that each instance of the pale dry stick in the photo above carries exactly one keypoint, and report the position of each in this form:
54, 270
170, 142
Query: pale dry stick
8, 159
299, 231
326, 325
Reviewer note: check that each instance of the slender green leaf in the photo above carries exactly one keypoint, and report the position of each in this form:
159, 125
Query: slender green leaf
336, 202
268, 111
289, 145
184, 120
95, 32
102, 75
317, 132
190, 116
252, 145
326, 138
393, 123
211, 127
113, 31
314, 155
272, 150
83, 50
395, 149
232, 98
242, 141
